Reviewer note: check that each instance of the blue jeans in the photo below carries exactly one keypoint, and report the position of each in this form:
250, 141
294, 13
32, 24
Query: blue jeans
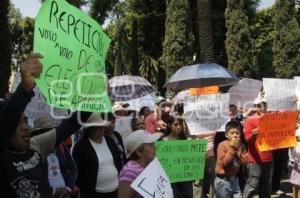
227, 188
259, 178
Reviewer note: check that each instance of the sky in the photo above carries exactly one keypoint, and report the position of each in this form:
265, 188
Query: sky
30, 7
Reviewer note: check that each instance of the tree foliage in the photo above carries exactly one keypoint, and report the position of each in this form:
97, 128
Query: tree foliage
5, 49
286, 43
178, 44
238, 42
262, 31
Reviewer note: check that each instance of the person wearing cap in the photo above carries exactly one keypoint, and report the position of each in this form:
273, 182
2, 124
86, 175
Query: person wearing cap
22, 171
157, 121
260, 163
140, 151
98, 160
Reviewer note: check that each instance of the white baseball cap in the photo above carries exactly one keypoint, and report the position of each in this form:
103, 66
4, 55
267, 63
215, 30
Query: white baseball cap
139, 137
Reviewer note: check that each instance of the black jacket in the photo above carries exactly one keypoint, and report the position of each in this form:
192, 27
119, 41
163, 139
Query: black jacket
87, 162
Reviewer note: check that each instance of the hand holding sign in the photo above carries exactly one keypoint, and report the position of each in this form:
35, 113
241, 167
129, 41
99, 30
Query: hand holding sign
30, 68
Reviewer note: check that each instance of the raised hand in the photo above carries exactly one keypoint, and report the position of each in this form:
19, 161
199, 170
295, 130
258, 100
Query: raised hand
31, 68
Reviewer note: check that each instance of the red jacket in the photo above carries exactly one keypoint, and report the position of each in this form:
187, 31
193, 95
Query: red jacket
255, 156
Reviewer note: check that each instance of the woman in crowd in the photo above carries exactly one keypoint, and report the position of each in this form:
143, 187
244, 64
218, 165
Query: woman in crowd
140, 151
98, 161
175, 131
137, 124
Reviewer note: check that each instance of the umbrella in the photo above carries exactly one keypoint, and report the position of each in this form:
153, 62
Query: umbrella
201, 75
126, 87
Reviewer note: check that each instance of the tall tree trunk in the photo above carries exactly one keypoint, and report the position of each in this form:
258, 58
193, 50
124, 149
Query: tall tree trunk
5, 49
206, 44
134, 49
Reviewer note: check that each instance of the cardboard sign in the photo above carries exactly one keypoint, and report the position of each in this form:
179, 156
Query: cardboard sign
279, 94
153, 182
74, 49
297, 90
123, 126
244, 93
183, 160
204, 90
277, 130
206, 113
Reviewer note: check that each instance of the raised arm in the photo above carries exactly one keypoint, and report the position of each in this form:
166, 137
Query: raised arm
13, 109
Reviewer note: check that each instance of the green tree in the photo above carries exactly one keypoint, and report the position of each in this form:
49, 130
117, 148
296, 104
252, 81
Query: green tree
207, 53
238, 42
100, 9
262, 31
286, 43
5, 49
178, 44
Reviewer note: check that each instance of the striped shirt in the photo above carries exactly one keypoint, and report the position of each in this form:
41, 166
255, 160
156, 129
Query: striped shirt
130, 172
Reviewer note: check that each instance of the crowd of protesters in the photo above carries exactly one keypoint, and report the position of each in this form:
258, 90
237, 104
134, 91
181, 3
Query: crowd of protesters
42, 162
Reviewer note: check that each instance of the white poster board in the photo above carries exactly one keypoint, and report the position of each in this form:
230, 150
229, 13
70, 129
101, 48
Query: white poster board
153, 182
279, 93
123, 126
206, 113
297, 90
244, 93
38, 106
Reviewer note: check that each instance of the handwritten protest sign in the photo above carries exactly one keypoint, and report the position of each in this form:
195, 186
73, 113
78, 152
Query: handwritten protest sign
206, 113
183, 160
38, 106
204, 90
153, 182
74, 49
123, 126
277, 130
297, 79
244, 93
279, 93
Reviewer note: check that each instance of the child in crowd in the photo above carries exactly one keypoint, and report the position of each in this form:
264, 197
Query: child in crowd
294, 154
231, 154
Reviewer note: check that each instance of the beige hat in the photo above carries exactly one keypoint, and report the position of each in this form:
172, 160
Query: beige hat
139, 137
95, 120
43, 122
120, 106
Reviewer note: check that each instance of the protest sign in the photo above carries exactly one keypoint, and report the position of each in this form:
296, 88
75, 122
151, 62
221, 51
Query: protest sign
279, 93
145, 101
277, 130
183, 160
244, 93
74, 49
297, 89
38, 106
123, 126
206, 113
204, 90
153, 182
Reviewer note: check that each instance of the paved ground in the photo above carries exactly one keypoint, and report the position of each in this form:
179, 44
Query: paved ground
285, 187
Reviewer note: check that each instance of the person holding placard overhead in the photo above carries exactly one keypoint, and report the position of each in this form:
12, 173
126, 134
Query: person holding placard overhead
140, 151
260, 163
175, 131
